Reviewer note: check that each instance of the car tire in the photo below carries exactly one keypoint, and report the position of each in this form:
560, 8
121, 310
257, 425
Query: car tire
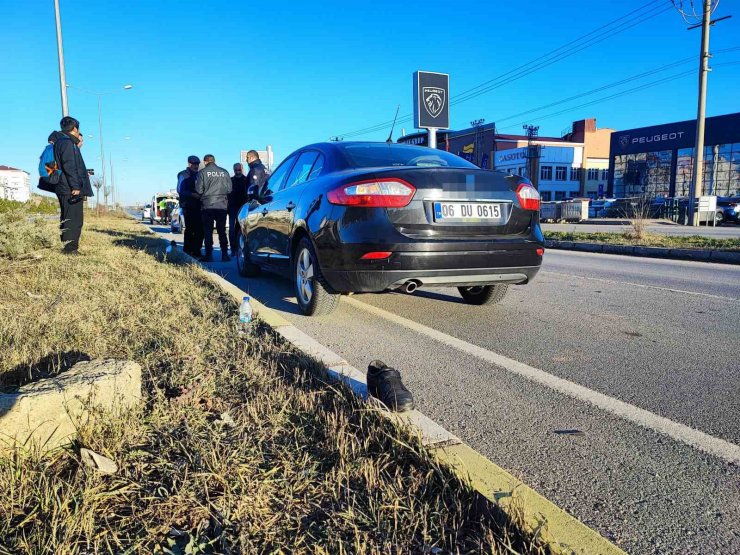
483, 294
246, 267
314, 296
719, 217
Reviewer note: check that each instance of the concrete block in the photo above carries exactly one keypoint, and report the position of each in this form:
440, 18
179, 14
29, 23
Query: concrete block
690, 254
588, 247
655, 252
728, 257
46, 413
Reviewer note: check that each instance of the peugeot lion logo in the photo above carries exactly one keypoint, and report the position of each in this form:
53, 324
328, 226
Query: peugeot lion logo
434, 100
624, 140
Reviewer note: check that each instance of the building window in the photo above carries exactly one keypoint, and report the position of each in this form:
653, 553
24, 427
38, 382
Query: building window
645, 174
561, 173
593, 174
546, 173
604, 175
521, 171
545, 196
575, 174
559, 195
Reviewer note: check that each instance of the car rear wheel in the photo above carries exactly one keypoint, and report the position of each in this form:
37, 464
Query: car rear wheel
315, 297
483, 294
245, 266
719, 217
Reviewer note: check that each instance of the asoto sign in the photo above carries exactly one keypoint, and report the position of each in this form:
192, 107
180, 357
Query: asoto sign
431, 100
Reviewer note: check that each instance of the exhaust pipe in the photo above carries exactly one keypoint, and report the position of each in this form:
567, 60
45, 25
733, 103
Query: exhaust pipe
411, 286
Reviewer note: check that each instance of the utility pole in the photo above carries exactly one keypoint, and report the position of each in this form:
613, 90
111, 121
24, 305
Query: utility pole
112, 184
533, 154
689, 14
60, 55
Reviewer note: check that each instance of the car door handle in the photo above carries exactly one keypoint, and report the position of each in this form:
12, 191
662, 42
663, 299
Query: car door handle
265, 211
290, 206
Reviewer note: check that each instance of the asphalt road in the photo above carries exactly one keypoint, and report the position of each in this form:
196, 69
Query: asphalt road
728, 231
659, 335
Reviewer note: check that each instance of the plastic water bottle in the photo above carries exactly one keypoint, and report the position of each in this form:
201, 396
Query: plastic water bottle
171, 247
245, 315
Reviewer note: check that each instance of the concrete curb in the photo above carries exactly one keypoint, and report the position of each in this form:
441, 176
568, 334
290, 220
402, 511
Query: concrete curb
564, 533
705, 255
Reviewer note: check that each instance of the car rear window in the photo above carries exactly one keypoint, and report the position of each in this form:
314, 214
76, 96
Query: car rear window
385, 155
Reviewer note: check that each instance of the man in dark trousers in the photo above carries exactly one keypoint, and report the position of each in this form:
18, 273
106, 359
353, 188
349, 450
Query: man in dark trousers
190, 204
236, 200
257, 175
74, 182
213, 185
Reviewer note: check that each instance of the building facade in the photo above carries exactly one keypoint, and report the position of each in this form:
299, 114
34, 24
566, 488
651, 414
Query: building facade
573, 165
15, 184
658, 161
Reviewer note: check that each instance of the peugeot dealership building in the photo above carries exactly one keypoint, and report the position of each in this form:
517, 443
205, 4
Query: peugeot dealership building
658, 161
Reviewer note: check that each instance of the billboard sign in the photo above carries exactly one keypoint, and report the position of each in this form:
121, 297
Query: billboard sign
431, 100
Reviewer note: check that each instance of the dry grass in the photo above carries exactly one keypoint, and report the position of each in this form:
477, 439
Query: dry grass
304, 468
647, 239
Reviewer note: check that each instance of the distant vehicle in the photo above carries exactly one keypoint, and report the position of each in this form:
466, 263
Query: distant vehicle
728, 210
155, 214
350, 217
177, 220
146, 213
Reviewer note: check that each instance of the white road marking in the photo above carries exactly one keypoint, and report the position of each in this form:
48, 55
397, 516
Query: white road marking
695, 438
734, 299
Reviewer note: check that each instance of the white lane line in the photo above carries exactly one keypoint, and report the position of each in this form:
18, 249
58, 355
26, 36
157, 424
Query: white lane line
680, 432
734, 299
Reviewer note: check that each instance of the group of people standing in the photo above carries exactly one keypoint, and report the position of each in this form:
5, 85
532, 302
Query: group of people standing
209, 196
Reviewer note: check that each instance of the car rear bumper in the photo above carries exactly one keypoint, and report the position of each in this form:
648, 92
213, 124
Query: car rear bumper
516, 264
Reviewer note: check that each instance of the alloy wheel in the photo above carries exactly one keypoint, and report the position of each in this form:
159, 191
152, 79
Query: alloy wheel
304, 276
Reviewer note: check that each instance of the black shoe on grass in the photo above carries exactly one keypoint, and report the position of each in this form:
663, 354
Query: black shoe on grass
206, 258
384, 383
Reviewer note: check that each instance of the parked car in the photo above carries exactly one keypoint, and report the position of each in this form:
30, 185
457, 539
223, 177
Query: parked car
346, 217
146, 213
177, 221
728, 210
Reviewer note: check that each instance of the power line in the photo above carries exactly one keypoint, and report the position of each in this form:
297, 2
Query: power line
624, 93
545, 60
612, 85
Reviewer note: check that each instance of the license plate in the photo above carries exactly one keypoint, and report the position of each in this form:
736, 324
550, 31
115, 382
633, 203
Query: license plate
467, 212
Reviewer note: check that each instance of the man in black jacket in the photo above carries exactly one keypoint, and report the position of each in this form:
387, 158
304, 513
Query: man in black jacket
257, 175
190, 205
213, 185
74, 183
236, 200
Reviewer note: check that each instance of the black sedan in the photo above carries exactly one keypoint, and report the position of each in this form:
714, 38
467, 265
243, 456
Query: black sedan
350, 217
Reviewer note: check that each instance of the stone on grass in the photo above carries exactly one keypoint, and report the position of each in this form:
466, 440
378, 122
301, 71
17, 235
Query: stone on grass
46, 414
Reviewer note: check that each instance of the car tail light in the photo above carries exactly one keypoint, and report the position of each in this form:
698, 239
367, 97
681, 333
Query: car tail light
377, 255
540, 252
374, 193
529, 198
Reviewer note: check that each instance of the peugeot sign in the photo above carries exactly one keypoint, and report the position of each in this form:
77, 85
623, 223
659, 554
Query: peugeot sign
431, 100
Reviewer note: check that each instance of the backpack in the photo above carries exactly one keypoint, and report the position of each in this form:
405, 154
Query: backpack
49, 172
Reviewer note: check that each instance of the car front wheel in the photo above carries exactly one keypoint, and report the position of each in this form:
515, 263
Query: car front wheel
315, 297
483, 294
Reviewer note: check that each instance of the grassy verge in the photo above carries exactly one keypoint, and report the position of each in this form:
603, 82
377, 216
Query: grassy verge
240, 447
647, 240
39, 204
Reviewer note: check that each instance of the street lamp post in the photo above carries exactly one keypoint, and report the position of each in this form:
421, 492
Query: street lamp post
60, 55
100, 121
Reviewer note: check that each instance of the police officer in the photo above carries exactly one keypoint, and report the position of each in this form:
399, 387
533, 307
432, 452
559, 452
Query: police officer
236, 200
190, 204
213, 185
257, 175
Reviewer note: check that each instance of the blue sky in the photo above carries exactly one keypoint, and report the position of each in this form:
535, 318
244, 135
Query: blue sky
222, 76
